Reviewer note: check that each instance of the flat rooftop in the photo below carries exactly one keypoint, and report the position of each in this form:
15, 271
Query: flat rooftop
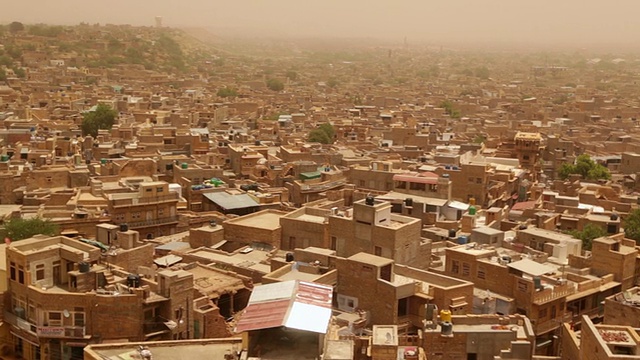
168, 350
251, 260
267, 220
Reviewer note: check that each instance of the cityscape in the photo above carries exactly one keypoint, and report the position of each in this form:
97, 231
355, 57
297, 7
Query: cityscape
170, 190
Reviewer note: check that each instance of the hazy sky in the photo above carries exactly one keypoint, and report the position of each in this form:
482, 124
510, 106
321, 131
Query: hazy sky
541, 21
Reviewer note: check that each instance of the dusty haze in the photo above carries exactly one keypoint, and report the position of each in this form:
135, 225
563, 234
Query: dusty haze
571, 22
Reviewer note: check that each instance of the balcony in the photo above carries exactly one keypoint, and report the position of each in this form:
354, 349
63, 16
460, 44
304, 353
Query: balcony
156, 222
547, 295
156, 326
544, 327
45, 332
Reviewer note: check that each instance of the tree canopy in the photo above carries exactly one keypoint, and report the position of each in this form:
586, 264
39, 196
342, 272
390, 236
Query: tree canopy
585, 167
18, 228
450, 109
632, 225
102, 118
275, 84
322, 134
588, 233
16, 26
227, 92
319, 136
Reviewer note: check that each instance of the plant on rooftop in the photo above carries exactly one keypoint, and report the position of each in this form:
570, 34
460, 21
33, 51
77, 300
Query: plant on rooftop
585, 167
632, 226
102, 118
588, 233
18, 228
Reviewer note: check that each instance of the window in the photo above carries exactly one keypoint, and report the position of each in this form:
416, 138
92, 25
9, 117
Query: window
55, 318
361, 183
542, 313
20, 274
160, 212
377, 250
148, 189
466, 269
119, 217
40, 272
78, 319
478, 180
523, 286
334, 243
481, 273
12, 270
159, 190
455, 266
135, 215
553, 312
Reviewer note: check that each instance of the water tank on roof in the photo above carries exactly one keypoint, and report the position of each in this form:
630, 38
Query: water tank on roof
4, 158
289, 257
124, 227
445, 315
446, 176
446, 328
369, 200
103, 161
613, 217
462, 239
522, 227
133, 281
472, 210
408, 202
84, 267
452, 233
184, 166
537, 282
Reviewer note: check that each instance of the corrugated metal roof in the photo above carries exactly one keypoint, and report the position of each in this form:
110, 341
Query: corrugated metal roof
294, 304
531, 267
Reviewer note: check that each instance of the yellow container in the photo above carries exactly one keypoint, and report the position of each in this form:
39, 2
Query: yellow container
445, 315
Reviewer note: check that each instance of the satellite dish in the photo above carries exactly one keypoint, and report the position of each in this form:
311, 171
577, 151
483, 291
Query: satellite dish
66, 313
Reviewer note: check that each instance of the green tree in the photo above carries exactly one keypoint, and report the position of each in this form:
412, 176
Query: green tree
319, 136
588, 233
332, 83
292, 75
227, 92
479, 139
632, 226
450, 109
328, 129
19, 72
102, 117
482, 72
18, 228
3, 75
5, 60
275, 84
16, 26
585, 167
